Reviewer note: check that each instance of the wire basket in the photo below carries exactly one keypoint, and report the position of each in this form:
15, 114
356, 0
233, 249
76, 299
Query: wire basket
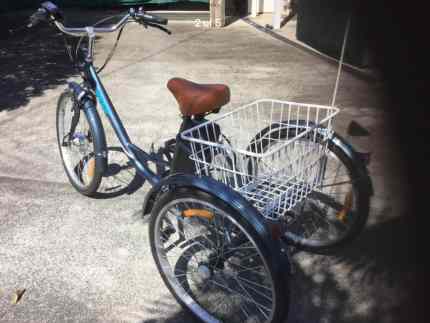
272, 152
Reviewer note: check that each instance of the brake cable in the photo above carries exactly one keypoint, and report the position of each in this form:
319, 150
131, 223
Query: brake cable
68, 49
112, 52
78, 45
96, 24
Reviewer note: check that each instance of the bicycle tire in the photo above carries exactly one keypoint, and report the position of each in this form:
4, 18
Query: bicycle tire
278, 278
87, 174
361, 191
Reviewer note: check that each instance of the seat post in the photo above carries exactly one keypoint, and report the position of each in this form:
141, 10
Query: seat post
181, 162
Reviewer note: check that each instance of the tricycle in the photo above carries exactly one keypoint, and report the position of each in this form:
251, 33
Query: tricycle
230, 193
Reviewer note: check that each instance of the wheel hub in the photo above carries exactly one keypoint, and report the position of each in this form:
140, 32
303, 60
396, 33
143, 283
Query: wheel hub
204, 272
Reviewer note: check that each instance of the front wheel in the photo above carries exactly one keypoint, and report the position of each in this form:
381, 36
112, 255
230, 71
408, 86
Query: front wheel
78, 145
214, 262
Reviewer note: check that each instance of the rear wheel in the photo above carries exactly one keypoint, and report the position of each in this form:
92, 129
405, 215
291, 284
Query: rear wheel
214, 262
336, 211
77, 146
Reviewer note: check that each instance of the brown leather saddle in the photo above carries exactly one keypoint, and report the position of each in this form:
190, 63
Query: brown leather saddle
198, 99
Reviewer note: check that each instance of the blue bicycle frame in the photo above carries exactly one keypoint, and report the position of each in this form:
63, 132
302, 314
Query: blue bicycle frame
137, 156
180, 162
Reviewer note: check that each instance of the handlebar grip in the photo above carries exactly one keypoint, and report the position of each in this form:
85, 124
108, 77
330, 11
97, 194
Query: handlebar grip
37, 17
153, 18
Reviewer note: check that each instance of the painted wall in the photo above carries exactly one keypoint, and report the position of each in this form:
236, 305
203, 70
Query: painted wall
260, 6
267, 6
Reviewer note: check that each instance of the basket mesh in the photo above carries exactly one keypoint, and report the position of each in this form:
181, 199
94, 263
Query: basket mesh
272, 152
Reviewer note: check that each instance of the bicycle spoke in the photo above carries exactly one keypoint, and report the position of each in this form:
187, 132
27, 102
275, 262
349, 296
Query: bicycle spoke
215, 263
253, 283
259, 306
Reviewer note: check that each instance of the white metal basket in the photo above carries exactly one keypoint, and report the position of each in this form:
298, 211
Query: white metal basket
271, 151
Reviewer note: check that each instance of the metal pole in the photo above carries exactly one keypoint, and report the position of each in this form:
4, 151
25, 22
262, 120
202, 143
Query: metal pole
342, 54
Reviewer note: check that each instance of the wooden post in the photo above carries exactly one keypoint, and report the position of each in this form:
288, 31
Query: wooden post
217, 13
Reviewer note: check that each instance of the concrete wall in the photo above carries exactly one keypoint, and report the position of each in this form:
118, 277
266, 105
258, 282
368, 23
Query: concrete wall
268, 6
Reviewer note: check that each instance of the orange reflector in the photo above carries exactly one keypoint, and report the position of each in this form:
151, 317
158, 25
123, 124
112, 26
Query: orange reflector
91, 168
198, 212
347, 206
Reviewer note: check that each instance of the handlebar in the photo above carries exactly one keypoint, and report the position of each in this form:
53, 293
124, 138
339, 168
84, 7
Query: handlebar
84, 31
152, 19
49, 12
145, 18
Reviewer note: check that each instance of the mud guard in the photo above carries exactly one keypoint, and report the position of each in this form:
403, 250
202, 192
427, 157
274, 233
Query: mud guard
228, 196
357, 159
88, 104
99, 136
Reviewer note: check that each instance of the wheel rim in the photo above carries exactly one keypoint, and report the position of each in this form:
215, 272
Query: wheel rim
214, 266
317, 220
328, 213
78, 151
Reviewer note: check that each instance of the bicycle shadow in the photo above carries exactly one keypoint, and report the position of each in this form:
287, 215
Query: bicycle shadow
120, 178
369, 280
387, 248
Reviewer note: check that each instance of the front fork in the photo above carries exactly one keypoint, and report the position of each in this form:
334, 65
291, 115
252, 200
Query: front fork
85, 101
75, 120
